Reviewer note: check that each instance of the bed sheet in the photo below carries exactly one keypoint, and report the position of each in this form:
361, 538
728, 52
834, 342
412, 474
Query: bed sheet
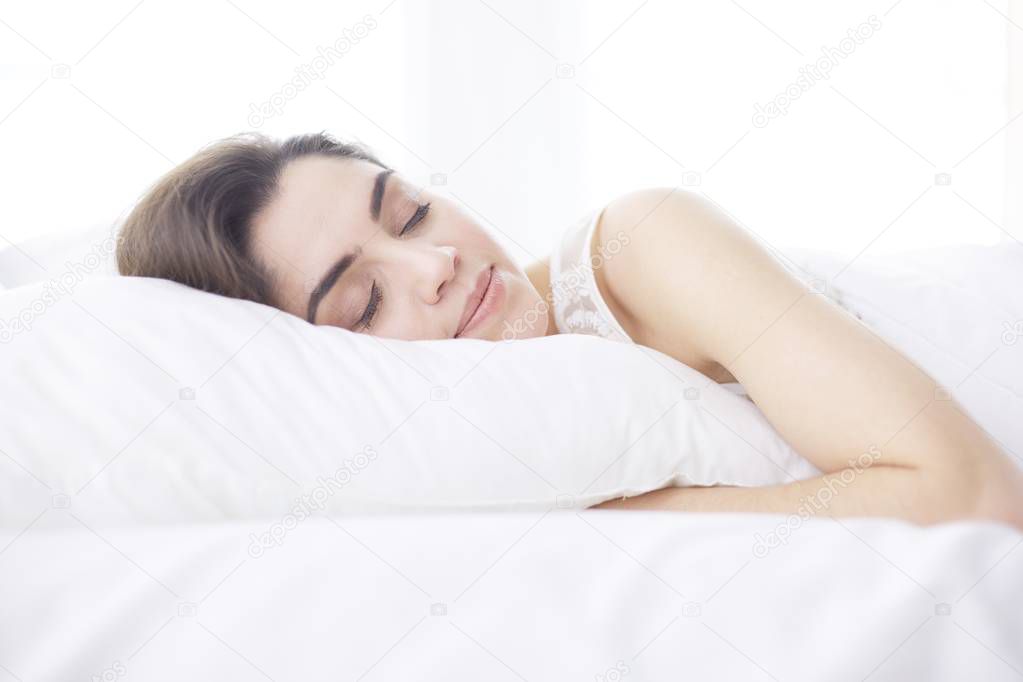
559, 595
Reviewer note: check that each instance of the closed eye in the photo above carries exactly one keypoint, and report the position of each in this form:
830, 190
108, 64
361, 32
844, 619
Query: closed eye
417, 217
375, 299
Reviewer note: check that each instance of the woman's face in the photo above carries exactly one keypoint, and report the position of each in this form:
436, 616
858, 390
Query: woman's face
352, 245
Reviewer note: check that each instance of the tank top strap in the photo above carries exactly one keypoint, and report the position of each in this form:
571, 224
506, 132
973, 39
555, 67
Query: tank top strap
578, 305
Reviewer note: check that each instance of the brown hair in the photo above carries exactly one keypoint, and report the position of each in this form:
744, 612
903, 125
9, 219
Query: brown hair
193, 225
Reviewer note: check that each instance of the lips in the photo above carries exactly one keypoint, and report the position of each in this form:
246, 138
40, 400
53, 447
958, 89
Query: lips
474, 300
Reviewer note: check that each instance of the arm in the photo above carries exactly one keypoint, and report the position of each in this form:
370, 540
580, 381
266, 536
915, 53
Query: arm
695, 285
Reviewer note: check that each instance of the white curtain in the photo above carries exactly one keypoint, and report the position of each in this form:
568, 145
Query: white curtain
530, 112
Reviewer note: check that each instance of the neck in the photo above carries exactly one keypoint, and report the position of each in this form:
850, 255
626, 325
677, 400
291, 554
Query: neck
539, 274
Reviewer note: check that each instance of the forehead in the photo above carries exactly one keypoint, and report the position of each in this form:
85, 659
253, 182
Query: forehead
312, 185
319, 211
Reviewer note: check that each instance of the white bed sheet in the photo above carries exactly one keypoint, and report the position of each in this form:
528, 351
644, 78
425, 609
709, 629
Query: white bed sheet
595, 595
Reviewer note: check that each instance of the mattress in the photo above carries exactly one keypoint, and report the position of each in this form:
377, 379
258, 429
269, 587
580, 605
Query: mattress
557, 595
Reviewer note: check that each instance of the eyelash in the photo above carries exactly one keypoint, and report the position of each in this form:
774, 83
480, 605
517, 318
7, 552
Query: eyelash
375, 296
416, 218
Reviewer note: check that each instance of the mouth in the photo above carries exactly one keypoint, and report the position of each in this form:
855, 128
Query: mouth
483, 301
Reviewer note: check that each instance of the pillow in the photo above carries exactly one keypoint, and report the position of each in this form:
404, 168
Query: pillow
131, 400
68, 256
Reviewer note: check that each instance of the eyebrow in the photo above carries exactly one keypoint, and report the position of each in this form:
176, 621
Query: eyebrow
379, 185
335, 271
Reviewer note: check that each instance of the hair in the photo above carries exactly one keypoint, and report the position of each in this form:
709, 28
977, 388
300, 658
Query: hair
194, 225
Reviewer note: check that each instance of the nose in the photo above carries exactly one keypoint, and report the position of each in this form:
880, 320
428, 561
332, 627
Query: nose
432, 268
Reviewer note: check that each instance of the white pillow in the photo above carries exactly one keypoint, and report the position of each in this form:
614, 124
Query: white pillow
139, 400
66, 257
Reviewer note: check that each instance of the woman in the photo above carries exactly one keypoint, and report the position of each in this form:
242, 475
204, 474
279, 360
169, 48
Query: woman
323, 230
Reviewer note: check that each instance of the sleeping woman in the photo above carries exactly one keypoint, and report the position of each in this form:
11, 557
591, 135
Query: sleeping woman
322, 229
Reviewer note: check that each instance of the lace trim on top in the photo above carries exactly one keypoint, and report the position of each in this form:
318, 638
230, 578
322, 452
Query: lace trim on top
578, 306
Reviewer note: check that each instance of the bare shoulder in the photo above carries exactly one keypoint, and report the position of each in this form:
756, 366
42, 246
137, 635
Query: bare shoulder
672, 261
674, 226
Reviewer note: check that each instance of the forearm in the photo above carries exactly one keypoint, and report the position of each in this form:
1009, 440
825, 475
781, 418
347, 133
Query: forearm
875, 491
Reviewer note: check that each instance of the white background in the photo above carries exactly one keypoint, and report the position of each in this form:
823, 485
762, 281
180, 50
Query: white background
660, 93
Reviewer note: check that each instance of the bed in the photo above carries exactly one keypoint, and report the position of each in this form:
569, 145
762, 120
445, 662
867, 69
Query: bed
554, 595
198, 572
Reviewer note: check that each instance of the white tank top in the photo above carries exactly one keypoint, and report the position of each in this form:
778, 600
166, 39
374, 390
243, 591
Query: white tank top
578, 306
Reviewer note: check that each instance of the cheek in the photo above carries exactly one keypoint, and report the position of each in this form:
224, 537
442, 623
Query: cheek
470, 237
400, 321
